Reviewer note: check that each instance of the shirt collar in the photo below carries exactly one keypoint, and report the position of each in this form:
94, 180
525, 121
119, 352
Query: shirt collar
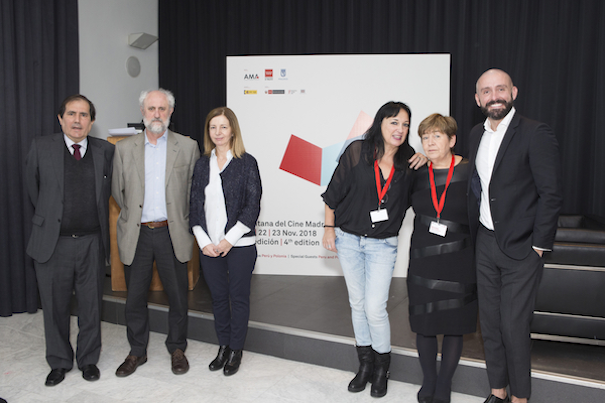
229, 155
503, 125
163, 138
69, 142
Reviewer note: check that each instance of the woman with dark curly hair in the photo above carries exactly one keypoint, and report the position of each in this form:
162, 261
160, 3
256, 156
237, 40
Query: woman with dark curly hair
365, 202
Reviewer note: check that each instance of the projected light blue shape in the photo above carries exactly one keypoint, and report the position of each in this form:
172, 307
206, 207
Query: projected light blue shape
329, 161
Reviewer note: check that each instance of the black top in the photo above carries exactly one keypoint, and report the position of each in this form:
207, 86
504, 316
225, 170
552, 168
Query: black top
352, 195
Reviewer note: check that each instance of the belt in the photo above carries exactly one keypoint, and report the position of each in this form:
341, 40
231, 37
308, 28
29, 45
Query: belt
155, 224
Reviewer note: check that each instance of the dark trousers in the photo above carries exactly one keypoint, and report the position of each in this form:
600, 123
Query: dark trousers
155, 244
507, 291
77, 264
229, 279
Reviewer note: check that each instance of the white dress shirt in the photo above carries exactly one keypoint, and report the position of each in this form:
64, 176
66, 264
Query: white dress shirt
216, 212
83, 145
486, 157
154, 204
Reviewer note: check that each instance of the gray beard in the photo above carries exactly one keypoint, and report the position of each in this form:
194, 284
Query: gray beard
155, 126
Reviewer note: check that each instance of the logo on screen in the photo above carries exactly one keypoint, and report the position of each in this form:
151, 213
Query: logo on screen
282, 72
268, 74
250, 76
247, 92
315, 164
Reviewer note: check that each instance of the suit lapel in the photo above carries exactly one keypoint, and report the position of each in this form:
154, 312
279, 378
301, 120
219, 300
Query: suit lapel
58, 160
138, 153
172, 150
98, 162
510, 132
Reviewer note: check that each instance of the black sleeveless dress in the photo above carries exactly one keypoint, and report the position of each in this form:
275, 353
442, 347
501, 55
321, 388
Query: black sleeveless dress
441, 276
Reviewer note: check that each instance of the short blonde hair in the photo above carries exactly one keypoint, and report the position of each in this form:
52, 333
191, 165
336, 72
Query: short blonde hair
237, 143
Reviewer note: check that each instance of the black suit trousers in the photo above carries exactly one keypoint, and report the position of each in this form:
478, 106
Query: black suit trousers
77, 264
228, 278
155, 244
507, 291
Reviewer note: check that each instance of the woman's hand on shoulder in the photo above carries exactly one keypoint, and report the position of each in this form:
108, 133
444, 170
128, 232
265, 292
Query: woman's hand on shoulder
417, 160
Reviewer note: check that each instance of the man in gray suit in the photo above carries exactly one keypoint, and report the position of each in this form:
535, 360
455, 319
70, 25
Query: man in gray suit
68, 177
151, 184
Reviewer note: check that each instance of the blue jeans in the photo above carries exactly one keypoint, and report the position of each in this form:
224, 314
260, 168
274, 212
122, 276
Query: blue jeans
367, 264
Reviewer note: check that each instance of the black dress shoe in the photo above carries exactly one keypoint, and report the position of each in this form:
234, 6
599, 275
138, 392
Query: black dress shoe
425, 399
130, 365
56, 376
90, 372
232, 365
493, 399
221, 358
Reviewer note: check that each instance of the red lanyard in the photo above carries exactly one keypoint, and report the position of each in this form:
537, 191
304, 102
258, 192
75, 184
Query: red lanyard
381, 191
439, 206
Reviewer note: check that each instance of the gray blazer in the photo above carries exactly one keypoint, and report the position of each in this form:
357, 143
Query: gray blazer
45, 179
128, 189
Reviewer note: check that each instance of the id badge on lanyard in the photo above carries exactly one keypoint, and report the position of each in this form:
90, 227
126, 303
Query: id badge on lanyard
380, 215
436, 227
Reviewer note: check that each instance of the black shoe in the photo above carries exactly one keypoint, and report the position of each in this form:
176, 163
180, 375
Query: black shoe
382, 362
494, 399
221, 358
56, 376
425, 399
232, 365
130, 365
366, 369
91, 372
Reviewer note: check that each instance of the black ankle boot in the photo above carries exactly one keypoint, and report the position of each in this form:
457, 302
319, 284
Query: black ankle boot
221, 358
382, 363
235, 359
366, 368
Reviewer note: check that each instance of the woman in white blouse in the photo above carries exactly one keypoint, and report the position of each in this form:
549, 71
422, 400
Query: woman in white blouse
225, 204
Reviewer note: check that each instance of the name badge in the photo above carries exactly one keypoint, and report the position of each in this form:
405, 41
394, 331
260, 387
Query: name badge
437, 228
379, 215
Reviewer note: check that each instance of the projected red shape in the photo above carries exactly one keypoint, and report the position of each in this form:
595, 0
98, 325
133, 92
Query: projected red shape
302, 159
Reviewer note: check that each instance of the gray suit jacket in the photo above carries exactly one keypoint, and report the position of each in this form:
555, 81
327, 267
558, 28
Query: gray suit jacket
44, 178
128, 189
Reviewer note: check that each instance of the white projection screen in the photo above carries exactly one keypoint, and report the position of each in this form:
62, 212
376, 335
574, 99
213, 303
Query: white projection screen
296, 114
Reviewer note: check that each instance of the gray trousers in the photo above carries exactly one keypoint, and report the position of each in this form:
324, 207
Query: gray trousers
77, 264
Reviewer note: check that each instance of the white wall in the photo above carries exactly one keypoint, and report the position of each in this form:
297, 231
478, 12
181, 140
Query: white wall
104, 26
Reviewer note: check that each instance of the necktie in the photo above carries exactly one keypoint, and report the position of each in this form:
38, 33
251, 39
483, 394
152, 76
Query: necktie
77, 154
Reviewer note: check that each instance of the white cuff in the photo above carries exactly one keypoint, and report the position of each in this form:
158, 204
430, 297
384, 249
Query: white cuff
236, 232
201, 237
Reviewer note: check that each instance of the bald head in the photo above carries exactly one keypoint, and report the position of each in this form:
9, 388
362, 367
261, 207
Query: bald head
495, 95
494, 74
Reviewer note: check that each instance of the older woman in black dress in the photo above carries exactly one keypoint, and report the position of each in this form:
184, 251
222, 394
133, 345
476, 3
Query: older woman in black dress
225, 204
441, 276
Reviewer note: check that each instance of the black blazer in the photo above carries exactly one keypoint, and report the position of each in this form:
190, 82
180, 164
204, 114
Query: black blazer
525, 188
241, 187
44, 179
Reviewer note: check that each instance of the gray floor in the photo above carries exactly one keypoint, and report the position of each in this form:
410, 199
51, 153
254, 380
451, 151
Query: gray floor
320, 304
261, 378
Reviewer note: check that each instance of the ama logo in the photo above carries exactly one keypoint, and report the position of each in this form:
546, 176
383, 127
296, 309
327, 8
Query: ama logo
250, 76
315, 164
